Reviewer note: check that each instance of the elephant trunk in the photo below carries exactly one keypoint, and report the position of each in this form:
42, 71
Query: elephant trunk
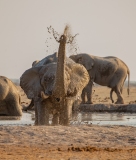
59, 91
59, 86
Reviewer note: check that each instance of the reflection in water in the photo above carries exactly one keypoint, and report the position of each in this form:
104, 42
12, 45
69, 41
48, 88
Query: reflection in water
26, 119
80, 118
104, 118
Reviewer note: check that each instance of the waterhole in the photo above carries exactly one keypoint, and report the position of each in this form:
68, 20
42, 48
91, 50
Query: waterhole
99, 118
82, 118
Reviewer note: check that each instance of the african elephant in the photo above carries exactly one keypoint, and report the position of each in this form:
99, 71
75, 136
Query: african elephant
34, 63
10, 101
49, 59
106, 71
54, 87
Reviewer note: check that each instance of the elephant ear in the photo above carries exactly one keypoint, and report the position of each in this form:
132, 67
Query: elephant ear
86, 60
30, 82
78, 79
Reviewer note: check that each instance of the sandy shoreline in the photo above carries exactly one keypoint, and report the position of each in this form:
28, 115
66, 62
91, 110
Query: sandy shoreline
64, 142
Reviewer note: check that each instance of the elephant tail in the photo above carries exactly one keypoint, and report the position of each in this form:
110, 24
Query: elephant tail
128, 89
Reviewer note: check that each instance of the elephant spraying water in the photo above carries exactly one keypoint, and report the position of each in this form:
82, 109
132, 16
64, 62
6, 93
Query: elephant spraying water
55, 86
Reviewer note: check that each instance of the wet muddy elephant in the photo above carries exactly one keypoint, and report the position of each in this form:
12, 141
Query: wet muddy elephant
106, 71
54, 87
49, 59
10, 100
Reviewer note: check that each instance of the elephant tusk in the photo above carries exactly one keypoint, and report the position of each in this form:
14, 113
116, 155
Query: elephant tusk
43, 95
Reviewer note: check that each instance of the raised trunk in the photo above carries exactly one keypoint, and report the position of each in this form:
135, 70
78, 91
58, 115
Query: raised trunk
59, 87
59, 92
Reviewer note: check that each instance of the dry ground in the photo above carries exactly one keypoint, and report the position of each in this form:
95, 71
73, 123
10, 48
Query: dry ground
101, 95
73, 142
70, 143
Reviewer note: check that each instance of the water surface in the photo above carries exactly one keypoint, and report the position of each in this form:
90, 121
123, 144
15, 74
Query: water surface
97, 118
81, 118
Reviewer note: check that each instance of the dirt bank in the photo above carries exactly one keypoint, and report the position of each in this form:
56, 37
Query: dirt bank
72, 142
108, 108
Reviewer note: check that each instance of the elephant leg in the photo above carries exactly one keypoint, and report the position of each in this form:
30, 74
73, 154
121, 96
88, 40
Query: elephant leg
89, 92
65, 113
121, 90
36, 114
62, 117
42, 113
111, 95
119, 96
55, 119
83, 95
76, 104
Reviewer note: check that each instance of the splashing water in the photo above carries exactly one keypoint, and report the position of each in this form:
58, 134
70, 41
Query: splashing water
71, 47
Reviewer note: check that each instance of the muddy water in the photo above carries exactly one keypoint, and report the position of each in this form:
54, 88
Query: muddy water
104, 118
81, 118
26, 119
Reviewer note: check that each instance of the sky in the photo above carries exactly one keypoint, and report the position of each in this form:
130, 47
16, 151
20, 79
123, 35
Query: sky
105, 28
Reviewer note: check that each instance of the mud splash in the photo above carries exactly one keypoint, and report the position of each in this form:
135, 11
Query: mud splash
71, 47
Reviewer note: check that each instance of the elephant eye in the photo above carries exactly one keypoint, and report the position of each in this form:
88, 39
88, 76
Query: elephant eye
80, 60
45, 79
52, 78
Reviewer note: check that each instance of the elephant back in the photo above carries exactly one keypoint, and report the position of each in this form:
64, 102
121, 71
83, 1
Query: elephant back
49, 59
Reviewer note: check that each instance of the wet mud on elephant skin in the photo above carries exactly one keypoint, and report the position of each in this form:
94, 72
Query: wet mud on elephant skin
49, 59
54, 87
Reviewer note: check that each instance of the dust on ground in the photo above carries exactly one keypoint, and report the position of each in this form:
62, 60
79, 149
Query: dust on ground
67, 142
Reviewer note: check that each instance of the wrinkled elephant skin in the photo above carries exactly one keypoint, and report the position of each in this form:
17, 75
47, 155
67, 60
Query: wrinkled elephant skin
10, 100
49, 59
55, 86
105, 71
38, 82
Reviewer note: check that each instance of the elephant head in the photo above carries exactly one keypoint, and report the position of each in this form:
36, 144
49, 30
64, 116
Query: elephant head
48, 59
55, 86
86, 60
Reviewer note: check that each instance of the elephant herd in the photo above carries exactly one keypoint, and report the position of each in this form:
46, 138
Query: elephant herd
56, 82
